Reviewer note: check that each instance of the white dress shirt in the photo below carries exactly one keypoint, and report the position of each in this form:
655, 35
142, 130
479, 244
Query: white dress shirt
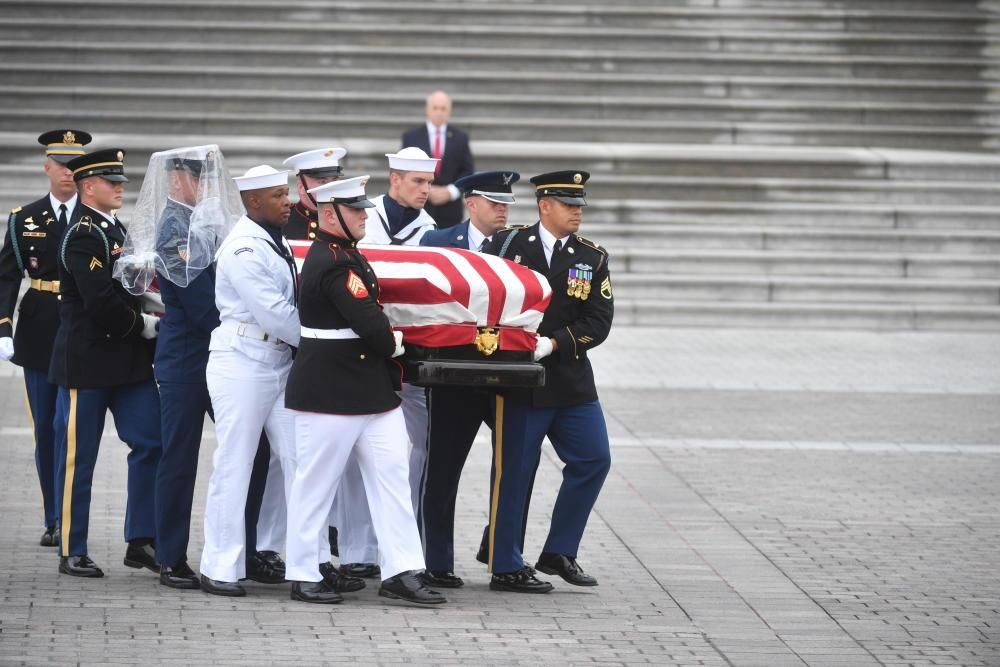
548, 242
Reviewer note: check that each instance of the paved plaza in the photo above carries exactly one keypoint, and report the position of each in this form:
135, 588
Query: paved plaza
776, 498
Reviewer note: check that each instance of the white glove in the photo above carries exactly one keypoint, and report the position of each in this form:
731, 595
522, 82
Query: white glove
398, 336
149, 326
152, 302
6, 348
543, 348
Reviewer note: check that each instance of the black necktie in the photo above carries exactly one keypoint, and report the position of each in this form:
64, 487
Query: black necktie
555, 251
62, 214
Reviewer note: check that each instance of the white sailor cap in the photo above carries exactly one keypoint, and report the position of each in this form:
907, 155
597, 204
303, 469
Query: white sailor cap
348, 192
412, 158
260, 177
319, 162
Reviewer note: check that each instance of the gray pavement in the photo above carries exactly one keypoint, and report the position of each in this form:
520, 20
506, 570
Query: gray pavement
776, 498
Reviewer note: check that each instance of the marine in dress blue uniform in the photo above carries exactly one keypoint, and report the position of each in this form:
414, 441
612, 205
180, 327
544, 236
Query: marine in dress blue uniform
566, 408
102, 360
31, 247
455, 414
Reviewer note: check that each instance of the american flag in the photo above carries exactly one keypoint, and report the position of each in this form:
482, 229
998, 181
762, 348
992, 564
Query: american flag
439, 297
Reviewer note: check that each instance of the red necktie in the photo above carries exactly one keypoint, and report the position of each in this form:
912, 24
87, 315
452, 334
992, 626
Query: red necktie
436, 152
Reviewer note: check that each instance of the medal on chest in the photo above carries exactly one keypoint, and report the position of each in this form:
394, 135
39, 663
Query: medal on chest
578, 281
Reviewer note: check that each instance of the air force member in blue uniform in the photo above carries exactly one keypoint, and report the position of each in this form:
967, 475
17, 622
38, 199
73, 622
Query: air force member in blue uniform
102, 360
34, 233
566, 408
455, 414
181, 357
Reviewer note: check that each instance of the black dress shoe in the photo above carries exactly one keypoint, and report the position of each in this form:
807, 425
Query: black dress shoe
273, 558
316, 592
566, 567
407, 586
522, 581
178, 576
333, 542
50, 538
364, 570
141, 555
79, 566
262, 571
228, 589
441, 579
340, 582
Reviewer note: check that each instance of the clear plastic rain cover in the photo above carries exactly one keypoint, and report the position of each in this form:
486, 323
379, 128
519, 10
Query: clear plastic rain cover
187, 205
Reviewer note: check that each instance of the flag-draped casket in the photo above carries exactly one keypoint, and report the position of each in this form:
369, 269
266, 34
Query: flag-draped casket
459, 310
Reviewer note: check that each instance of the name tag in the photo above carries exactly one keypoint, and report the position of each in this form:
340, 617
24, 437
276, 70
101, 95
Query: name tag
38, 235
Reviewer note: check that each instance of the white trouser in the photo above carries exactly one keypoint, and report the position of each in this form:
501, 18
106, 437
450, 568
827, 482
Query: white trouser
415, 411
323, 446
248, 397
355, 534
271, 525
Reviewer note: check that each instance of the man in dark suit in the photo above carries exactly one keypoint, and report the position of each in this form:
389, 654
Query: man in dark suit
456, 413
102, 360
34, 232
566, 408
451, 146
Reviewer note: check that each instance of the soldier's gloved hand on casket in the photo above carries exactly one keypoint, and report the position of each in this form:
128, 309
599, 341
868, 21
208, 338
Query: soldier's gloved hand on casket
6, 348
152, 302
398, 335
150, 326
543, 348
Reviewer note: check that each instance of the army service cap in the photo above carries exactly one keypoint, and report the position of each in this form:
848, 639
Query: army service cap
64, 145
565, 186
109, 164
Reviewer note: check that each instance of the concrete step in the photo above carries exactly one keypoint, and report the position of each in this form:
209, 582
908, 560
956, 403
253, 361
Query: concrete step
807, 316
96, 96
601, 159
796, 289
29, 63
223, 124
804, 263
528, 33
653, 239
247, 45
935, 19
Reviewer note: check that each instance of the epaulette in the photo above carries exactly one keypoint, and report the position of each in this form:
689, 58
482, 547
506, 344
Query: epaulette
15, 211
591, 244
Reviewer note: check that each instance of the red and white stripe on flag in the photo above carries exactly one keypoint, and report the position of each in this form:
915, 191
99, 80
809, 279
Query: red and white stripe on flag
439, 297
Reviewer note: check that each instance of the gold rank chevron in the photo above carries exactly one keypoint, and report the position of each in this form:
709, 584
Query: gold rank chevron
95, 263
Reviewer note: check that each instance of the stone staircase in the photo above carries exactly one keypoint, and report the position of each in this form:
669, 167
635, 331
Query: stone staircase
812, 163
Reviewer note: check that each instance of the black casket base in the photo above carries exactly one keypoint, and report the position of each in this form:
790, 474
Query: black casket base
468, 367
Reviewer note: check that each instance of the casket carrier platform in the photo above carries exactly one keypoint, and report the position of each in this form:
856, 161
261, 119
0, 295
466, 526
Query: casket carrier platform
467, 319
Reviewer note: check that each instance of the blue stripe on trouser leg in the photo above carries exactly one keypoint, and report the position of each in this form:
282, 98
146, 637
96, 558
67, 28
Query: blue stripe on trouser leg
42, 406
183, 406
136, 409
517, 435
580, 438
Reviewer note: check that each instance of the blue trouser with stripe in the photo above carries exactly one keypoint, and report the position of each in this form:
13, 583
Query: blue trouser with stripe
80, 415
579, 436
42, 406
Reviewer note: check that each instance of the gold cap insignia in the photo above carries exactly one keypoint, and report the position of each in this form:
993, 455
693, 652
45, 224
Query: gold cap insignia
121, 156
328, 152
487, 340
69, 137
577, 178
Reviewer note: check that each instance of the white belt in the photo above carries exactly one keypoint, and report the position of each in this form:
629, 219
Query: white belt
251, 331
329, 334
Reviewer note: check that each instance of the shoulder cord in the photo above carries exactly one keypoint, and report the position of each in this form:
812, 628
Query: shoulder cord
15, 246
104, 238
506, 243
